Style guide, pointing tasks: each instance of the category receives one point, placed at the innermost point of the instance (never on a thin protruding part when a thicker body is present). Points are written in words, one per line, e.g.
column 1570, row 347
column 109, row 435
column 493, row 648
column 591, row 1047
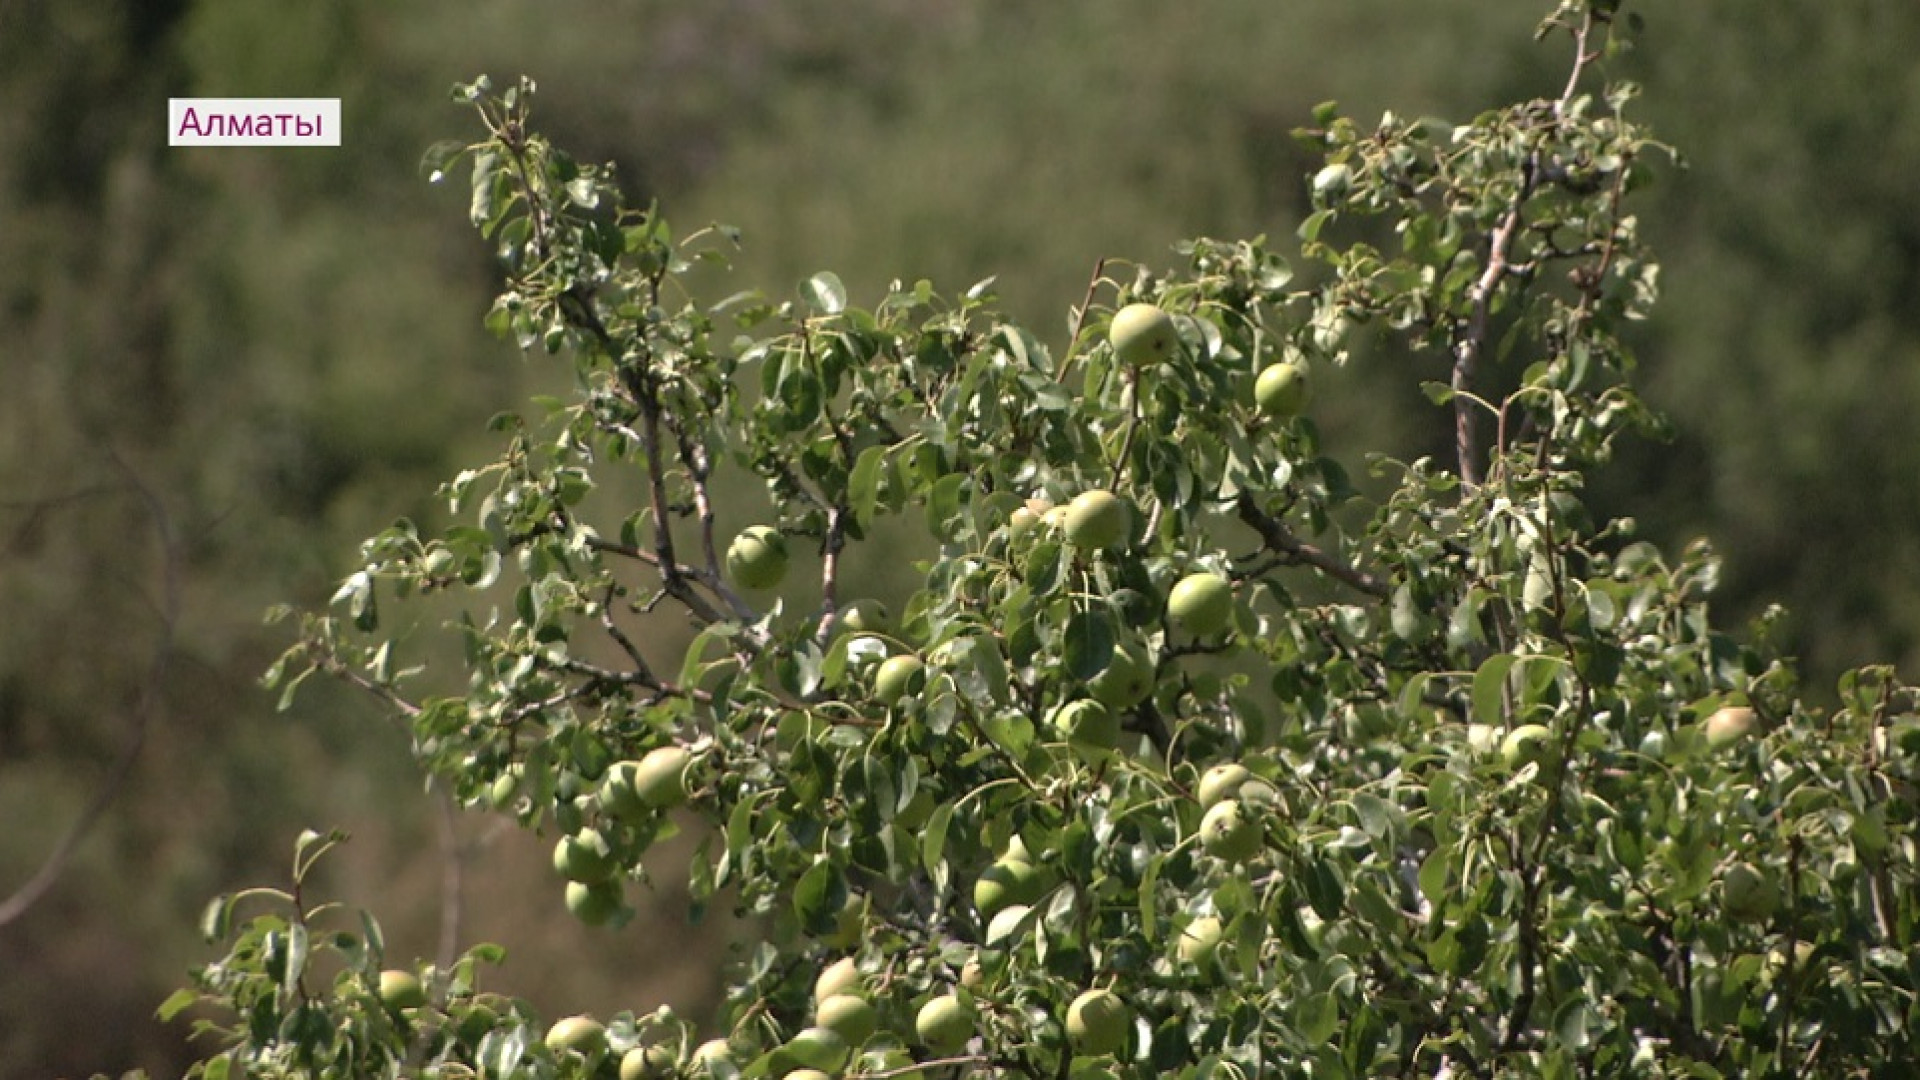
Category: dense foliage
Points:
column 1183, row 755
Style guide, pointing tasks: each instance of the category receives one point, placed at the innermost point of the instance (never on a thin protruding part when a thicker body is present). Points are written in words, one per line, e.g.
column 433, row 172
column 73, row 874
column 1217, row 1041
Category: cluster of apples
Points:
column 1097, row 1020
column 844, row 1020
column 630, row 791
column 1144, row 334
column 1747, row 893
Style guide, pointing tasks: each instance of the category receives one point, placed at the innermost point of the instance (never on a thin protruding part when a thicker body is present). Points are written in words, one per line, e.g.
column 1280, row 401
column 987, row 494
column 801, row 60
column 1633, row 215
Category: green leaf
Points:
column 1433, row 875
column 1044, row 569
column 992, row 667
column 944, row 503
column 825, row 293
column 1575, row 1024
column 175, row 1002
column 1489, row 689
column 1324, row 890
column 739, row 838
column 293, row 685
column 1309, row 230
column 933, row 841
column 863, row 488
column 1012, row 733
column 1148, row 897
column 370, row 931
column 296, row 957
column 819, row 895
column 1318, row 1017
column 1089, row 643
column 480, row 206
column 1377, row 815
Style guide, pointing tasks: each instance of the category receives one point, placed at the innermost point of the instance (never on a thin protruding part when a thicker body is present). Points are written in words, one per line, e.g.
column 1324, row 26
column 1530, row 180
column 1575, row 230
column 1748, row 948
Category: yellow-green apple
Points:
column 757, row 558
column 1142, row 334
column 1097, row 1023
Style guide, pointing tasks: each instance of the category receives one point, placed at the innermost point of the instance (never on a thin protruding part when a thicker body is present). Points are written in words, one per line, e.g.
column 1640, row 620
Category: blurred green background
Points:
column 220, row 368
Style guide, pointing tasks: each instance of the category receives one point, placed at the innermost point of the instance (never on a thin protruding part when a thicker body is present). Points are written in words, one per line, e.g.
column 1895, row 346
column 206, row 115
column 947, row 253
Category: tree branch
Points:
column 1296, row 551
column 1470, row 344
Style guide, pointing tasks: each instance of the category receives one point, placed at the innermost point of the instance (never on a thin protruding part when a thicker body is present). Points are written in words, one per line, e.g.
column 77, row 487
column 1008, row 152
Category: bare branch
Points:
column 1295, row 550
column 1080, row 321
column 1470, row 343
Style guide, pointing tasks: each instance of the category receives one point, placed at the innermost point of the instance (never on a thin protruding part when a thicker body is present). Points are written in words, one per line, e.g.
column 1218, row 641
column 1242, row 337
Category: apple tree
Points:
column 1206, row 744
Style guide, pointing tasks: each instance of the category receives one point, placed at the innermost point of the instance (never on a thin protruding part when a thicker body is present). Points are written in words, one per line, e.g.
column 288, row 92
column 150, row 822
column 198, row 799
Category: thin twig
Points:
column 1279, row 538
column 1472, row 343
column 1080, row 321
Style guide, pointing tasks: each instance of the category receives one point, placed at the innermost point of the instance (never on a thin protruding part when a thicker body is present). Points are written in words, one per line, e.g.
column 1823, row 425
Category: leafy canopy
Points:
column 1477, row 827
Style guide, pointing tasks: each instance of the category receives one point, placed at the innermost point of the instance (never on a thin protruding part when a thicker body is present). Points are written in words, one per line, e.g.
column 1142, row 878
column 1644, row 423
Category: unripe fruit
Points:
column 1200, row 941
column 709, row 1052
column 1096, row 519
column 899, row 676
column 1226, row 833
column 1282, row 390
column 661, row 778
column 1747, row 894
column 1526, row 744
column 1202, row 603
column 840, row 977
column 1142, row 334
column 647, row 1063
column 635, row 789
column 866, row 617
column 1221, row 782
column 1090, row 728
column 579, row 1034
column 757, row 558
column 848, row 1016
column 1126, row 680
column 818, row 1048
column 595, row 903
column 583, row 856
column 1729, row 725
column 1022, row 521
column 944, row 1025
column 402, row 990
column 1005, row 883
column 972, row 975
column 501, row 793
column 616, row 794
column 1097, row 1023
